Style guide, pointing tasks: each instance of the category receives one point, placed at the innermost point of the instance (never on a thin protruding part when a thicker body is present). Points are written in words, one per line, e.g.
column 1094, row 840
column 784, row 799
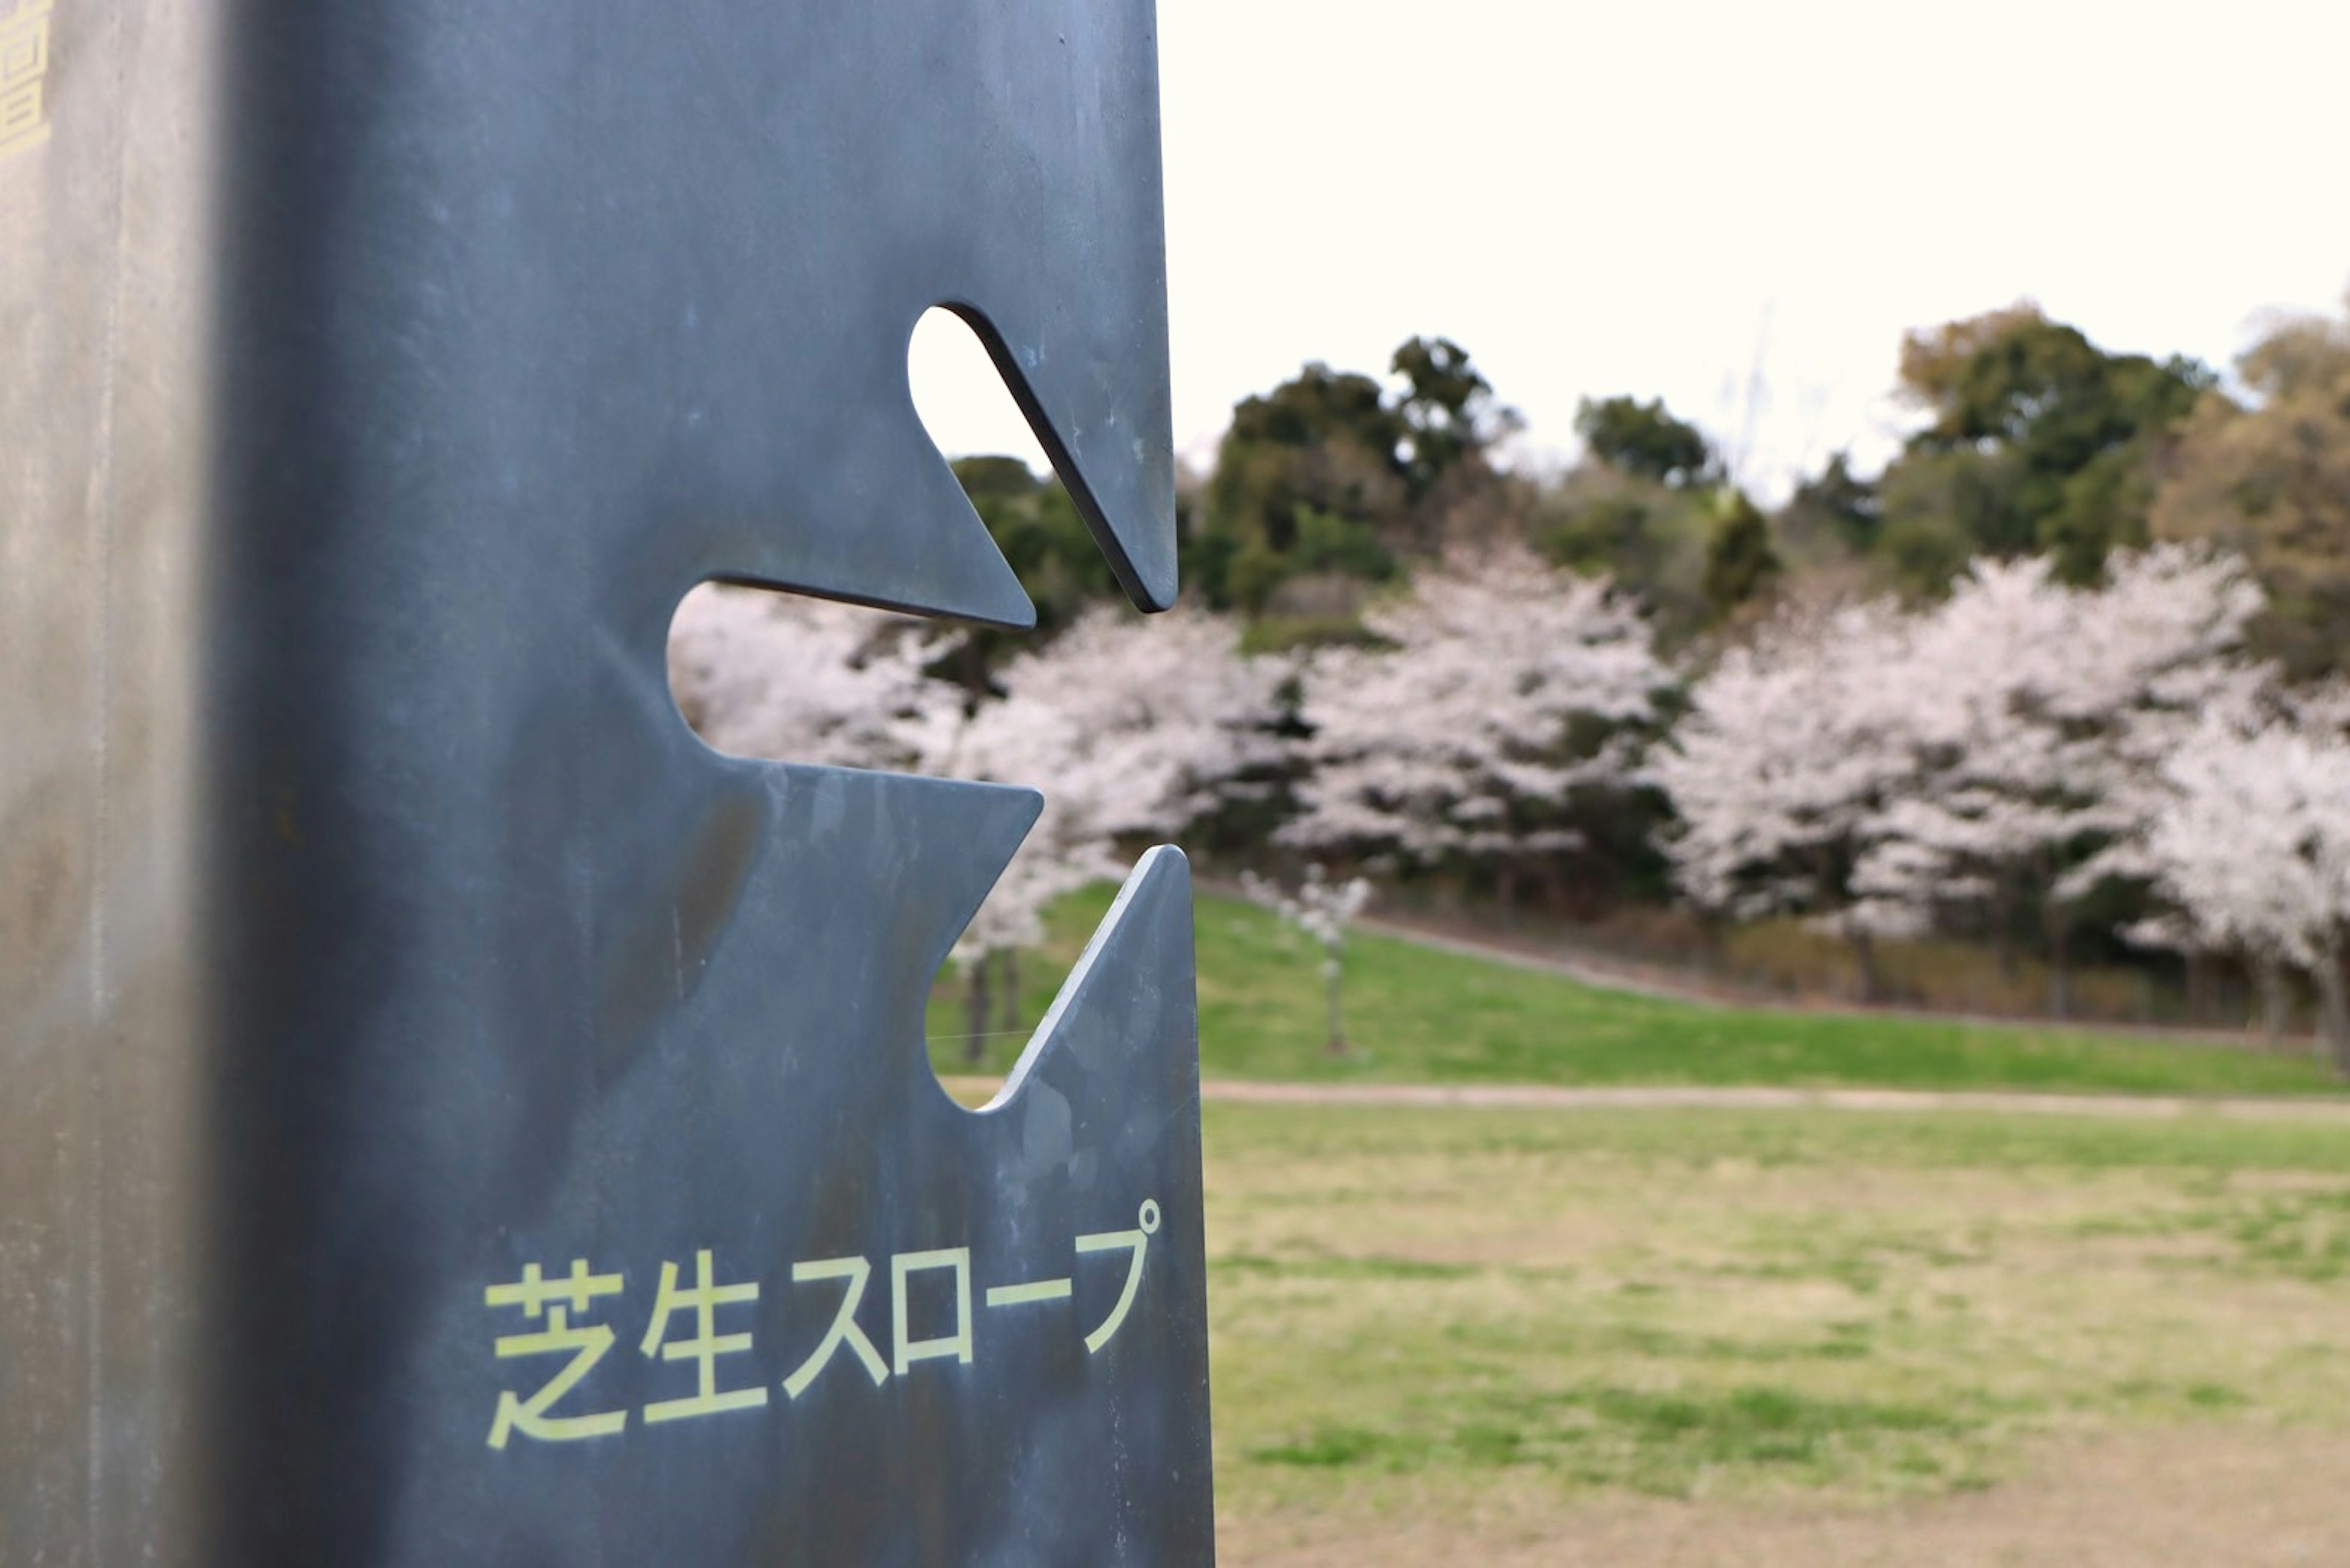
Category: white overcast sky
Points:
column 1656, row 199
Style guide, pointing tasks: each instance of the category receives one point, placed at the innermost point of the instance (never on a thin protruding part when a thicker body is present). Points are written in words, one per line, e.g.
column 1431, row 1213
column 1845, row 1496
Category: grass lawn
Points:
column 1495, row 1332
column 1418, row 1015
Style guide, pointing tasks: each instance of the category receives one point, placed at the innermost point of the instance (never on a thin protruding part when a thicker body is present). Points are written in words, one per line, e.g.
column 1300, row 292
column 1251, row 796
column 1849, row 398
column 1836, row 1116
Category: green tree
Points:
column 1324, row 442
column 1448, row 411
column 2274, row 480
column 1651, row 537
column 1834, row 506
column 2036, row 439
column 1646, row 439
column 1038, row 528
column 1944, row 506
column 1740, row 563
column 2100, row 507
column 1332, row 476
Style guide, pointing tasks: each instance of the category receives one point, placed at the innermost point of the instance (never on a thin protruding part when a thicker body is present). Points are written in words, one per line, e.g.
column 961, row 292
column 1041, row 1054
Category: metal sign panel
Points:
column 452, row 1115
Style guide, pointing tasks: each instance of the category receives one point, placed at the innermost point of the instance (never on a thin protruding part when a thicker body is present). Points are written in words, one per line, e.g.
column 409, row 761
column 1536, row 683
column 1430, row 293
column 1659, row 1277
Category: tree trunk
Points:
column 1557, row 899
column 1863, row 958
column 2334, row 1007
column 2060, row 968
column 1011, row 988
column 2276, row 1002
column 977, row 1014
column 1334, row 979
column 2009, row 905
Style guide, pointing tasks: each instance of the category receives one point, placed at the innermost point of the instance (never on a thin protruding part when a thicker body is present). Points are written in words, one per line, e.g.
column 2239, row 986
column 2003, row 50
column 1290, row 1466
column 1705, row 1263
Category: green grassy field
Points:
column 1418, row 1015
column 1417, row 1314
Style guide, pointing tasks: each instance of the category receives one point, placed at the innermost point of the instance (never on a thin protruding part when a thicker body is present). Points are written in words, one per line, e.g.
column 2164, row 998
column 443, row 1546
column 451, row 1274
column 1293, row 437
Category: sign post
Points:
column 447, row 1114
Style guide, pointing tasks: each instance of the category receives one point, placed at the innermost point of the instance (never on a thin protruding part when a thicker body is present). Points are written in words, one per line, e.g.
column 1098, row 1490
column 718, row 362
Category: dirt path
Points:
column 2192, row 1498
column 1554, row 1097
column 973, row 1090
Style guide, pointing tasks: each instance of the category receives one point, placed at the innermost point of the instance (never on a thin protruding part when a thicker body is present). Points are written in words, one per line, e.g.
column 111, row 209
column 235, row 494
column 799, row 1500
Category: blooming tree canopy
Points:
column 792, row 679
column 2037, row 717
column 1882, row 772
column 1129, row 728
column 2254, row 847
column 1791, row 750
column 1508, row 689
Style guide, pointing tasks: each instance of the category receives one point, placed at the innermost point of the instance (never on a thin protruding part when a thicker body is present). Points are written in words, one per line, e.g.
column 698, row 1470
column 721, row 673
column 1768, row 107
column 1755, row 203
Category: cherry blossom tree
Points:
column 1322, row 908
column 2253, row 846
column 1792, row 749
column 792, row 678
column 1508, row 693
column 1166, row 716
column 1129, row 729
column 2038, row 717
column 1884, row 773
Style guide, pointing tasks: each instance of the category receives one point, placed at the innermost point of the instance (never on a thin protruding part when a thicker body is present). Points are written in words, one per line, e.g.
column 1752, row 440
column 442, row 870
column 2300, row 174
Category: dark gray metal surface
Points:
column 377, row 947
